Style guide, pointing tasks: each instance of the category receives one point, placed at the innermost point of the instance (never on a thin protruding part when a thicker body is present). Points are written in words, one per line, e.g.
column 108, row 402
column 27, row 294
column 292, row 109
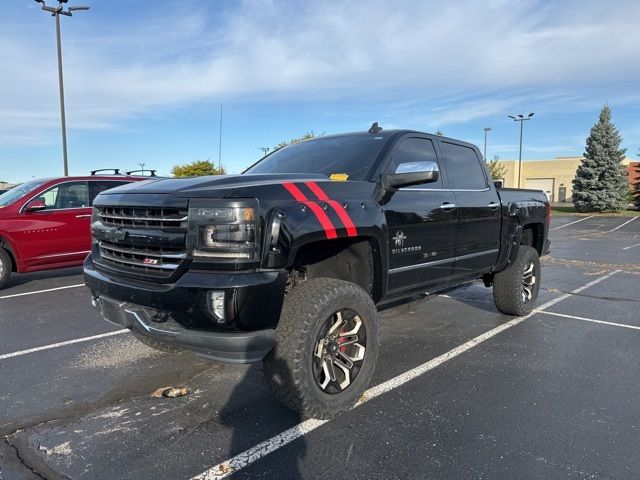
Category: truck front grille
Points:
column 142, row 217
column 143, row 242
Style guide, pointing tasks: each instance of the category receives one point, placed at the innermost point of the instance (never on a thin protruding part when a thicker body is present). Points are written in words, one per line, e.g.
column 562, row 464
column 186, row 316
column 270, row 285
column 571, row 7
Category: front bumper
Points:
column 253, row 300
column 231, row 347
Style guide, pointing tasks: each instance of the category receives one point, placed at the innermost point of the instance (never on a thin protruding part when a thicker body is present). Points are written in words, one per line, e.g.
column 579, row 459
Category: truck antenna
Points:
column 375, row 128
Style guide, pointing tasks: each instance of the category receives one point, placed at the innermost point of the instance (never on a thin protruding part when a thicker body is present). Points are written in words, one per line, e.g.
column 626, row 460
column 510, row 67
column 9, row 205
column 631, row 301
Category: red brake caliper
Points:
column 343, row 348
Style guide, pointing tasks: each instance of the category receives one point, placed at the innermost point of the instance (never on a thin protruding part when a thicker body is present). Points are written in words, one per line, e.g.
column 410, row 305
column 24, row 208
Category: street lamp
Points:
column 486, row 130
column 521, row 118
column 265, row 150
column 56, row 12
column 142, row 167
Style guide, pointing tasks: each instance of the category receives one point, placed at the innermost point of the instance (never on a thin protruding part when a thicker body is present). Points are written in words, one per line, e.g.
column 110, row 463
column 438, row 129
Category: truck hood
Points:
column 210, row 186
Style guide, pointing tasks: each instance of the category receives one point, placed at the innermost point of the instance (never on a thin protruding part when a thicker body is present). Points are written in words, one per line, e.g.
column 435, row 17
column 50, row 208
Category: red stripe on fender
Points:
column 323, row 218
column 339, row 209
column 317, row 210
column 295, row 192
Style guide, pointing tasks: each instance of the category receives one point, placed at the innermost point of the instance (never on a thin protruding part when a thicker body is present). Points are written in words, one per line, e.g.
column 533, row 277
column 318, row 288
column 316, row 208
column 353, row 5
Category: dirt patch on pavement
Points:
column 114, row 352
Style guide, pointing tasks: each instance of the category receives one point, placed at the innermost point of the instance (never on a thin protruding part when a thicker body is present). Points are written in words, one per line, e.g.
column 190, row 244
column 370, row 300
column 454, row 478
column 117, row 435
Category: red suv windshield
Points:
column 16, row 193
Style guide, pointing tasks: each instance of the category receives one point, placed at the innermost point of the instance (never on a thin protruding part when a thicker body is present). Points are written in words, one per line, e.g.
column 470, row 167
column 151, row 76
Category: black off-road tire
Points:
column 5, row 267
column 157, row 344
column 289, row 366
column 508, row 284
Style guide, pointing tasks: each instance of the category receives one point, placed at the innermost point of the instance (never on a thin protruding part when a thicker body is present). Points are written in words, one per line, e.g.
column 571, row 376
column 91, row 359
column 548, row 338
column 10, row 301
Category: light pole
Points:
column 265, row 150
column 56, row 12
column 521, row 118
column 486, row 130
column 142, row 167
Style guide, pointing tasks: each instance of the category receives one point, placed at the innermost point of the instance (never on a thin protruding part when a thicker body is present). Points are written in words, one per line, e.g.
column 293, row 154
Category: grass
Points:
column 570, row 210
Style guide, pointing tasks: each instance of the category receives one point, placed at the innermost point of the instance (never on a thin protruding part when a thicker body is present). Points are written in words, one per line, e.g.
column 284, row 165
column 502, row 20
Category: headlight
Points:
column 226, row 232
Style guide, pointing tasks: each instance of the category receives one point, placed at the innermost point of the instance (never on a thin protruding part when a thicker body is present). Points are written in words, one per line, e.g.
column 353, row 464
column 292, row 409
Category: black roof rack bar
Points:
column 152, row 173
column 116, row 171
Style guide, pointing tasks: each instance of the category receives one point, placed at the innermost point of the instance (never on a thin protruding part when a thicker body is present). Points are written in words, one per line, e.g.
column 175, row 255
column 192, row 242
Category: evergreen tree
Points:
column 601, row 184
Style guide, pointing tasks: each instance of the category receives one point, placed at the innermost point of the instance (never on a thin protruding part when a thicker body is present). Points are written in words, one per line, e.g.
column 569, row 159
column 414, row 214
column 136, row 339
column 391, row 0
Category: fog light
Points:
column 216, row 304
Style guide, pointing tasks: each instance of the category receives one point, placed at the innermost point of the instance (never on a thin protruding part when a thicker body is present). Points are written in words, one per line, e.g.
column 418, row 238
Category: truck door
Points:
column 477, row 238
column 421, row 222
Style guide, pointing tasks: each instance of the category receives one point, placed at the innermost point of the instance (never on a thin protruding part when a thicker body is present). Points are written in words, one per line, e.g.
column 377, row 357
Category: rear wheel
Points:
column 5, row 267
column 515, row 290
column 326, row 348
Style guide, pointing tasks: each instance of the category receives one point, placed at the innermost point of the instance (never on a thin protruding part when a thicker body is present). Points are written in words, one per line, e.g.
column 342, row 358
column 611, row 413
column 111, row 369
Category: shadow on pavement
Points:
column 18, row 279
column 254, row 416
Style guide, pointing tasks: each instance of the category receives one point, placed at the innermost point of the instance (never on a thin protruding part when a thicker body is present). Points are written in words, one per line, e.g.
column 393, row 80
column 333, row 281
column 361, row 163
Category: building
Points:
column 633, row 170
column 553, row 176
column 6, row 185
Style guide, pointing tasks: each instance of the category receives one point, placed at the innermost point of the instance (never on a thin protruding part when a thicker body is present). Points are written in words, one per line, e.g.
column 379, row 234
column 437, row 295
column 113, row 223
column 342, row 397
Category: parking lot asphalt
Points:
column 460, row 391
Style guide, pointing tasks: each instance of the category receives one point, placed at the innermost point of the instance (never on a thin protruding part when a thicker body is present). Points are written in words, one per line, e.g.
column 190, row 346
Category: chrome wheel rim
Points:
column 339, row 351
column 1, row 267
column 528, row 282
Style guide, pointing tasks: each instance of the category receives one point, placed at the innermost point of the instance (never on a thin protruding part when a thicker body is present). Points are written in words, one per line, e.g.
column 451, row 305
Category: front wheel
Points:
column 515, row 290
column 5, row 267
column 326, row 348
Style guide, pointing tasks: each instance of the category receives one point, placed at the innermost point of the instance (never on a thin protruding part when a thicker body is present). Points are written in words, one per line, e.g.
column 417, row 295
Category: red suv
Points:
column 45, row 223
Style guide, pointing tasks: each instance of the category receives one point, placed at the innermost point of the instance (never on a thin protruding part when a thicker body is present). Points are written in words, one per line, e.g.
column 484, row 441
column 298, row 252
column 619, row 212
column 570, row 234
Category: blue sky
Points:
column 145, row 80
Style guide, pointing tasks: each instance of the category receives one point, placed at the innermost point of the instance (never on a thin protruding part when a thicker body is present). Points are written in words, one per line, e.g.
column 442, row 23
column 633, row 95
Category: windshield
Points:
column 346, row 157
column 16, row 193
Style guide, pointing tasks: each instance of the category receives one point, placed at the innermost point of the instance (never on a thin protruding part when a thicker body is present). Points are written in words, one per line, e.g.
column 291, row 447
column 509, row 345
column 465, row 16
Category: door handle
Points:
column 493, row 205
column 447, row 207
column 87, row 215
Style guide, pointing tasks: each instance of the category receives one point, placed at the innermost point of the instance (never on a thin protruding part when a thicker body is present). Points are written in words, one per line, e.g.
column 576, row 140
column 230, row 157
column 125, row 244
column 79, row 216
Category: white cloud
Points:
column 504, row 52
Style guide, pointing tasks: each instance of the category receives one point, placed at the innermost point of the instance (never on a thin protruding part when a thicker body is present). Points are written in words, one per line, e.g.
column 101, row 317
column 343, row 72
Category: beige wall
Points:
column 561, row 169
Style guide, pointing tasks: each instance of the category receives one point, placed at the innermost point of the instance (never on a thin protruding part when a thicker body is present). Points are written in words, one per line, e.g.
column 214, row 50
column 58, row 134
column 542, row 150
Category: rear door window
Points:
column 99, row 186
column 464, row 171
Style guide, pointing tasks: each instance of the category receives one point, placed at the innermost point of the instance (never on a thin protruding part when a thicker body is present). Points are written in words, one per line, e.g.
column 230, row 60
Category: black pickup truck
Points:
column 286, row 262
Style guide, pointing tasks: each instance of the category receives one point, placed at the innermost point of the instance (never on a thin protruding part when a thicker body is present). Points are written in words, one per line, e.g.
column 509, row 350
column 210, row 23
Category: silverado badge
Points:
column 399, row 238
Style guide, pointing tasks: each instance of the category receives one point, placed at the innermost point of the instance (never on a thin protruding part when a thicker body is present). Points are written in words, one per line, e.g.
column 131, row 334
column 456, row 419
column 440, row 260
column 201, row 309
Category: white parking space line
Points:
column 631, row 246
column 584, row 319
column 42, row 291
column 620, row 226
column 571, row 223
column 246, row 458
column 61, row 344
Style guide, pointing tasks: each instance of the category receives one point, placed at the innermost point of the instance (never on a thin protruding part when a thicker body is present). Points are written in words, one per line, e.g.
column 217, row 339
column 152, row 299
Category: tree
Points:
column 497, row 170
column 307, row 136
column 601, row 184
column 197, row 169
column 439, row 133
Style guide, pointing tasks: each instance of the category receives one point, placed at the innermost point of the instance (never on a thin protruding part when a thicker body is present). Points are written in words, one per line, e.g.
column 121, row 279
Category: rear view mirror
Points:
column 35, row 205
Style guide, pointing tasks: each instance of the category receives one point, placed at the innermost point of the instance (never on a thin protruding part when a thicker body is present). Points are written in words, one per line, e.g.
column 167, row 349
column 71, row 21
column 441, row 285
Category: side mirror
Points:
column 35, row 206
column 411, row 173
column 406, row 175
column 497, row 183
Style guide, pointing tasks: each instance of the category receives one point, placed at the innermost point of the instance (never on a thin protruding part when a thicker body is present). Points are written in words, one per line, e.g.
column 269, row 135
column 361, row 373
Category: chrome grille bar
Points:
column 137, row 263
column 146, row 253
column 143, row 217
